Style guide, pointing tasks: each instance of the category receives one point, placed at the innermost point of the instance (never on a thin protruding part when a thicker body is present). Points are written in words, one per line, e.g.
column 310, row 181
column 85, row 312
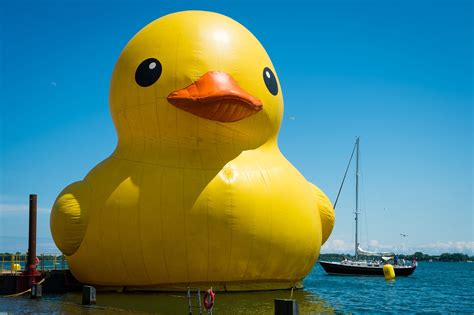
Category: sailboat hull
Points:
column 355, row 268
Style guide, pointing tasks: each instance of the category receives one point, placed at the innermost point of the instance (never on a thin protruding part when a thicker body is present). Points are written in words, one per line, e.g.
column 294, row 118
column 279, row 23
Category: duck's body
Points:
column 187, row 201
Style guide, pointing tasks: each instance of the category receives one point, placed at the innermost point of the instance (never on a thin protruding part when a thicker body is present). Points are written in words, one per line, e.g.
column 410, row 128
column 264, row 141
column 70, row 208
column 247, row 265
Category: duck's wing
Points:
column 68, row 219
column 326, row 212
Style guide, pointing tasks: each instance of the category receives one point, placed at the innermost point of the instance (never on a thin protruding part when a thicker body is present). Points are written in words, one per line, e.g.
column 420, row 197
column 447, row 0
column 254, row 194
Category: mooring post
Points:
column 286, row 307
column 88, row 295
column 30, row 271
column 32, row 233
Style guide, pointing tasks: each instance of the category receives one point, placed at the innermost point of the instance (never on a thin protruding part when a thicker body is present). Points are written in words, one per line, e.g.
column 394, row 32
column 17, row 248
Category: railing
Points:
column 12, row 263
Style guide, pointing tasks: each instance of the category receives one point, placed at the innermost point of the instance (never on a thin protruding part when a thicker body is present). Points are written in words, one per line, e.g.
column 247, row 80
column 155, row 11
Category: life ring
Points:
column 208, row 299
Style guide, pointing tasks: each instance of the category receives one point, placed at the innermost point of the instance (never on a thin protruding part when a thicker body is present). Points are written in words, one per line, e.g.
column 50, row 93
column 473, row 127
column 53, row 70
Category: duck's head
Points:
column 196, row 78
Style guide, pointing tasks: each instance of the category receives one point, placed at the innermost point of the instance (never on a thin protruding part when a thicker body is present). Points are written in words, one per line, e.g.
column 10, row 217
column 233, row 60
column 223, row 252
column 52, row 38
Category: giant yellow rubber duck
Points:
column 197, row 192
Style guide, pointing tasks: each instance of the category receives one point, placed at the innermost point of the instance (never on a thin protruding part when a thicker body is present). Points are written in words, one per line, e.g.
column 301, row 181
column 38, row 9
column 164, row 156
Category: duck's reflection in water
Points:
column 257, row 302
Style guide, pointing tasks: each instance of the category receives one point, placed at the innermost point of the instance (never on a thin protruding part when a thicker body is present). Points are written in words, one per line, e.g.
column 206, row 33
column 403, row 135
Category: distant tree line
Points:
column 446, row 257
column 23, row 256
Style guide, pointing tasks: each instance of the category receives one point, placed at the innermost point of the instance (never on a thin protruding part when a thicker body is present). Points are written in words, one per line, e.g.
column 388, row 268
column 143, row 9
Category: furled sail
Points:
column 362, row 252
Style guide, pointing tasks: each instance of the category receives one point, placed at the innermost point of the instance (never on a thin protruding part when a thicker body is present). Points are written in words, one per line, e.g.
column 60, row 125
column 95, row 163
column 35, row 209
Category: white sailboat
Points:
column 360, row 266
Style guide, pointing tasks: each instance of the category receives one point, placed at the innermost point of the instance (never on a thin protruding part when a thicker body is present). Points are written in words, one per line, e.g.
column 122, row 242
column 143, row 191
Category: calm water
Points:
column 433, row 288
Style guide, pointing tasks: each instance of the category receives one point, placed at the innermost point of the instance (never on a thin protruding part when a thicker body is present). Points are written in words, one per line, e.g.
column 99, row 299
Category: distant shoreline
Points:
column 445, row 257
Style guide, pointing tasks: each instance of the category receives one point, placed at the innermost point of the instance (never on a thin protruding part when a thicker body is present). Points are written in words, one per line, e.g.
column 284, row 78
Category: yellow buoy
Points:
column 16, row 267
column 388, row 272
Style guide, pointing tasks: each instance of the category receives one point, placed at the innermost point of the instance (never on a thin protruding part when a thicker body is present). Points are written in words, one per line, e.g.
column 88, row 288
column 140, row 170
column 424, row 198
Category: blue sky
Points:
column 396, row 73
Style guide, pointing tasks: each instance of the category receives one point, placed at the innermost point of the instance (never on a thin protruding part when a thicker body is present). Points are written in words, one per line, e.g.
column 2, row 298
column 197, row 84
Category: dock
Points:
column 20, row 272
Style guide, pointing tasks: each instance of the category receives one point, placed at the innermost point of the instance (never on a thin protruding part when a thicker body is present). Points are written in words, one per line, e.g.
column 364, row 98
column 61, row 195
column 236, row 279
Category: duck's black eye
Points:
column 148, row 72
column 270, row 81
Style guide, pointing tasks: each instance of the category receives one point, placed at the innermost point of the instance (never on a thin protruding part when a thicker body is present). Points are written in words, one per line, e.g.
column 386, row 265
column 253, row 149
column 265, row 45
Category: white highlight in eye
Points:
column 152, row 65
column 267, row 73
column 221, row 36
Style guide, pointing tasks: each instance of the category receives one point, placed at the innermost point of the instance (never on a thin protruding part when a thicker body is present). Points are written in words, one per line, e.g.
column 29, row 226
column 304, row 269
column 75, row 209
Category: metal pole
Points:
column 199, row 300
column 32, row 234
column 357, row 201
column 189, row 302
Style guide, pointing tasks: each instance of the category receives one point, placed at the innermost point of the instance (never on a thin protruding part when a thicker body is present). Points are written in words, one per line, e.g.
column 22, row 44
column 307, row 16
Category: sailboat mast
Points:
column 357, row 201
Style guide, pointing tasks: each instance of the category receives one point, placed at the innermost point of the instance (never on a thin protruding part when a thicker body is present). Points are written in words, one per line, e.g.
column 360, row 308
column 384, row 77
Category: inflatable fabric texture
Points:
column 197, row 192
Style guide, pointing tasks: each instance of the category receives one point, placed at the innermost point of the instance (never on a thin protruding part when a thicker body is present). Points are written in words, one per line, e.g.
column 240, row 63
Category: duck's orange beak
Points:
column 216, row 96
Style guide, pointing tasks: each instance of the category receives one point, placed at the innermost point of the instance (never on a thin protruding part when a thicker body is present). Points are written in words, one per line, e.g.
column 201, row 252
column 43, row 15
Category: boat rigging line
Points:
column 345, row 174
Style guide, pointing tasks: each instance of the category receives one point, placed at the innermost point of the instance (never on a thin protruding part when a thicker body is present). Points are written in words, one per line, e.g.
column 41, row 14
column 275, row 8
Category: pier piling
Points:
column 30, row 273
column 32, row 233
